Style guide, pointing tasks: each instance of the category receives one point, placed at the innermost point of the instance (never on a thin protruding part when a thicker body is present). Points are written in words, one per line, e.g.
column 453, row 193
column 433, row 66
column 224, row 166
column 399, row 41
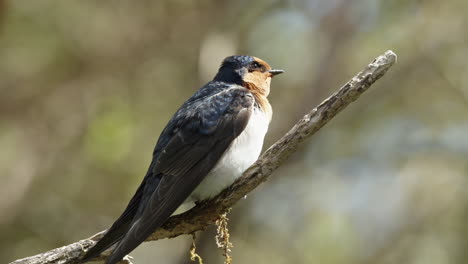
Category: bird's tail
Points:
column 108, row 240
column 117, row 230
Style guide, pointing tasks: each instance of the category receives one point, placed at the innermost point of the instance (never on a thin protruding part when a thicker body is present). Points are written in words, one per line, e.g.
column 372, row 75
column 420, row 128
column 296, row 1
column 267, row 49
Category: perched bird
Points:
column 209, row 142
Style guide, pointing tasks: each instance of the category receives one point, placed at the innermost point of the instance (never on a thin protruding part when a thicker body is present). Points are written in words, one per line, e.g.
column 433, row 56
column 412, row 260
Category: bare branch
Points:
column 206, row 213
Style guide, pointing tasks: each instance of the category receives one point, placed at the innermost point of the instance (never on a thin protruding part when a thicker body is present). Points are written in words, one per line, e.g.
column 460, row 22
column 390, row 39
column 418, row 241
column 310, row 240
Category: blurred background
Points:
column 87, row 86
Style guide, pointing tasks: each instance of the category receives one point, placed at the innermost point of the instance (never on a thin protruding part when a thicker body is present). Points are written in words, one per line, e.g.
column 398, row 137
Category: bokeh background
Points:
column 87, row 86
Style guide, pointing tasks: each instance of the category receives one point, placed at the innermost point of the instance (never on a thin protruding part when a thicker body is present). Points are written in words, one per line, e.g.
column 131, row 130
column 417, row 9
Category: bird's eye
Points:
column 255, row 66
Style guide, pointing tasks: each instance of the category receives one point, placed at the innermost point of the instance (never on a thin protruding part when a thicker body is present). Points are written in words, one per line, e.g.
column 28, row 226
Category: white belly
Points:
column 242, row 153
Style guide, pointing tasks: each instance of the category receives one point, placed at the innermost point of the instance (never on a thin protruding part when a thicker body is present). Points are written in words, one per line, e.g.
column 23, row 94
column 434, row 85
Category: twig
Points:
column 206, row 213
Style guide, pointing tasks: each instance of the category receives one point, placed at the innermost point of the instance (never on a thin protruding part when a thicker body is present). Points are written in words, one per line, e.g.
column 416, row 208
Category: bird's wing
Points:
column 151, row 181
column 203, row 132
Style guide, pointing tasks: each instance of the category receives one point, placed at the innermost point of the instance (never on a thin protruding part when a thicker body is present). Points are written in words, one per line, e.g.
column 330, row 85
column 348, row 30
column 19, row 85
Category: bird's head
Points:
column 251, row 72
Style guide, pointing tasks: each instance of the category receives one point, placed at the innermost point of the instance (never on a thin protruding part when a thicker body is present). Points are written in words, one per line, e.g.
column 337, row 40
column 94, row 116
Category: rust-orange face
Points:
column 251, row 72
column 260, row 66
column 258, row 76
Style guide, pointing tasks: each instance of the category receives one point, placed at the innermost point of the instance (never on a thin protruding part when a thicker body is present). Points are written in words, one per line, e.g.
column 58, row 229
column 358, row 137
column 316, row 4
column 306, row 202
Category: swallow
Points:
column 208, row 143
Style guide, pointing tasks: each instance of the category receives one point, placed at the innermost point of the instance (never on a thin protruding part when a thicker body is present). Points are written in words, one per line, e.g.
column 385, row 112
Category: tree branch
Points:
column 206, row 213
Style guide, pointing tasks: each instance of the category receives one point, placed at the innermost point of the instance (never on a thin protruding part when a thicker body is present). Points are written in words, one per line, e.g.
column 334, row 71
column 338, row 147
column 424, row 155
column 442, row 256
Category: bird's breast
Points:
column 242, row 153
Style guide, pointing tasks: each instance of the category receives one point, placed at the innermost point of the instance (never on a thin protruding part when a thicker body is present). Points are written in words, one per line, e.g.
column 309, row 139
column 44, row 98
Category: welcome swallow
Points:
column 209, row 142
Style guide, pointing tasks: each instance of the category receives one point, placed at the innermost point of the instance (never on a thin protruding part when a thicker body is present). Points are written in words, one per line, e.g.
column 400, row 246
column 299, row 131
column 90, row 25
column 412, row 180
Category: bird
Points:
column 209, row 142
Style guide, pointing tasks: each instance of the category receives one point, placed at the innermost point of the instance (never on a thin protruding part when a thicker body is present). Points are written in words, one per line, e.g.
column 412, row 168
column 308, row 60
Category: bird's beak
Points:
column 275, row 72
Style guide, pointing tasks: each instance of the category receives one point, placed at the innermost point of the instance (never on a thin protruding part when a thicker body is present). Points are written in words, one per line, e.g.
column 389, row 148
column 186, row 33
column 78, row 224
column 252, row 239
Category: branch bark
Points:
column 204, row 214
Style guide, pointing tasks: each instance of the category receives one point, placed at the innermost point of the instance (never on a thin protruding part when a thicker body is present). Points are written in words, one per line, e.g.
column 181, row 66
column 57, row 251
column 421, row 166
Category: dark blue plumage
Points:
column 189, row 147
